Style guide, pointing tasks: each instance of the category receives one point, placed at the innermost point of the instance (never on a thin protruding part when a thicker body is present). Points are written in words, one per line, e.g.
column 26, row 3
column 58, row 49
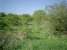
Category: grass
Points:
column 45, row 44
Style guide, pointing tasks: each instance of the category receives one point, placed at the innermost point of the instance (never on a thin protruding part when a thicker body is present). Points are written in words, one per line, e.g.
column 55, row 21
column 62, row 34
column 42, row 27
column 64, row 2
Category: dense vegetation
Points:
column 39, row 31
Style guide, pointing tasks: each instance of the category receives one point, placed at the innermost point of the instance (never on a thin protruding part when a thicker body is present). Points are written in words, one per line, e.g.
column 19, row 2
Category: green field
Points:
column 45, row 44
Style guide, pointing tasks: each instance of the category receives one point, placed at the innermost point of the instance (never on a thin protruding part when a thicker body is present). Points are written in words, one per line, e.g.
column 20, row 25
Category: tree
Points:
column 2, row 22
column 10, row 36
column 40, row 23
column 26, row 21
column 58, row 15
column 14, row 22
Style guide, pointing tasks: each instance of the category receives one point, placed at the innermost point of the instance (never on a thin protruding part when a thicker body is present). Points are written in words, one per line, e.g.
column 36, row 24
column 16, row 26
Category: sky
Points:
column 24, row 6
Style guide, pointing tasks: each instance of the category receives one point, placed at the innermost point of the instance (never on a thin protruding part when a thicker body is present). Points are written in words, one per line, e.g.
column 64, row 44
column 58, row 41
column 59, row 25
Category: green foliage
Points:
column 26, row 23
column 34, row 32
column 41, row 25
column 2, row 21
column 45, row 44
column 9, row 30
column 10, row 41
column 59, row 16
column 9, row 22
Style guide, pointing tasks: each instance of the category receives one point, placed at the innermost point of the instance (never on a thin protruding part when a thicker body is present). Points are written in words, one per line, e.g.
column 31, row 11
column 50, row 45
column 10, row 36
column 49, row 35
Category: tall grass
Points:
column 45, row 44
